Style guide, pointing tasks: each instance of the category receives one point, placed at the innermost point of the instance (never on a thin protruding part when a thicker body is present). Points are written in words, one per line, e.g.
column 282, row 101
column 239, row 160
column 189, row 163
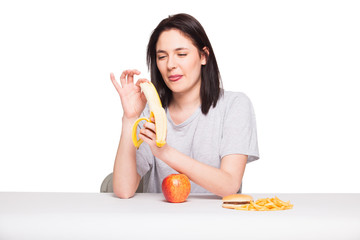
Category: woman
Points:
column 211, row 133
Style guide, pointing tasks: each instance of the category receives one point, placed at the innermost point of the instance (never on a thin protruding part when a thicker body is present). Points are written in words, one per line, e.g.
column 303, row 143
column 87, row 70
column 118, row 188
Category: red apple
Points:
column 176, row 188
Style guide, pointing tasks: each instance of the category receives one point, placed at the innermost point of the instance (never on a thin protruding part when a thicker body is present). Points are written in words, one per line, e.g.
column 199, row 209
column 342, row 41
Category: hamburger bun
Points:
column 234, row 200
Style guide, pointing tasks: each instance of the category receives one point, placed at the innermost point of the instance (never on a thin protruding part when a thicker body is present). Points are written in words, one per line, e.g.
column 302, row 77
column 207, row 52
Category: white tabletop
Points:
column 104, row 216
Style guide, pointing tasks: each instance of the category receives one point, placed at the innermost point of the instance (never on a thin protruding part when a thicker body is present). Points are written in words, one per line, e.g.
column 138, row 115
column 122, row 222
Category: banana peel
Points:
column 156, row 111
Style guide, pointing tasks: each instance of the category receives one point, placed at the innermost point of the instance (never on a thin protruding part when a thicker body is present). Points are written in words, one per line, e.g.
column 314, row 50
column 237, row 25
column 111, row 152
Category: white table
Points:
column 148, row 216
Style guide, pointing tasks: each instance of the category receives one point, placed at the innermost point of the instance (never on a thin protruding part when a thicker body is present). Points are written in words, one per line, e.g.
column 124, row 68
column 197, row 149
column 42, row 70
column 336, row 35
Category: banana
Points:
column 156, row 111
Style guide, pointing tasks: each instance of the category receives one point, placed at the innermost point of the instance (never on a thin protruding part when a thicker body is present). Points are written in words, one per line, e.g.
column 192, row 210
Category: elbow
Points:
column 231, row 189
column 123, row 189
column 123, row 194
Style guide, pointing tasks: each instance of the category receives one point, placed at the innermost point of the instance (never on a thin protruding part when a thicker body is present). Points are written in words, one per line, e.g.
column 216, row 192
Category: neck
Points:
column 186, row 101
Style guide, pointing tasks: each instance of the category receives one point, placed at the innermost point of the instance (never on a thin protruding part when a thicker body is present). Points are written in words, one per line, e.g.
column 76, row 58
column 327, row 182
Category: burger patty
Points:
column 236, row 203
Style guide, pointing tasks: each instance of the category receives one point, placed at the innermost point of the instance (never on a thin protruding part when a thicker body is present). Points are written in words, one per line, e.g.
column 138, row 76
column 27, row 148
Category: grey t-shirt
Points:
column 229, row 128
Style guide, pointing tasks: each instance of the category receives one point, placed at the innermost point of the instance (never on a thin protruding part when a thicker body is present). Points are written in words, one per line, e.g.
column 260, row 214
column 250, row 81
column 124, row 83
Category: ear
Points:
column 204, row 55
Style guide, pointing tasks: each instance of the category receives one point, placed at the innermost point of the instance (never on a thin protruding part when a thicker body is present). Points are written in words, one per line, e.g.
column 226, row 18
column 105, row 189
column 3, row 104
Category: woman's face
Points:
column 179, row 61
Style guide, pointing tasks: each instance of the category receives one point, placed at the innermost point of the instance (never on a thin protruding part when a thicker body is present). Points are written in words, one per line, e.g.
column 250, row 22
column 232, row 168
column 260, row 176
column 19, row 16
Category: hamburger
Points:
column 235, row 200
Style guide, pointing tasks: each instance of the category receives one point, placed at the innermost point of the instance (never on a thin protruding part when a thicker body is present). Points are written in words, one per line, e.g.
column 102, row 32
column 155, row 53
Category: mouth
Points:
column 175, row 78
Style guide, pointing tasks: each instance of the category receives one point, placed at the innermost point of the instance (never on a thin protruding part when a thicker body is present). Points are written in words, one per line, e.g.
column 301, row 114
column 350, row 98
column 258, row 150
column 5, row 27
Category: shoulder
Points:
column 233, row 99
column 229, row 95
column 231, row 103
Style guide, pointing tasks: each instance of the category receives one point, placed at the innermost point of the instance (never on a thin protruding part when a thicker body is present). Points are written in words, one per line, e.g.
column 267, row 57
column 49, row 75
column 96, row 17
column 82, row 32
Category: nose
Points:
column 171, row 64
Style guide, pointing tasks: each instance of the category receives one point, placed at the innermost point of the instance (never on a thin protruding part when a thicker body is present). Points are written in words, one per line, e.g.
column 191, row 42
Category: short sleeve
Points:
column 239, row 135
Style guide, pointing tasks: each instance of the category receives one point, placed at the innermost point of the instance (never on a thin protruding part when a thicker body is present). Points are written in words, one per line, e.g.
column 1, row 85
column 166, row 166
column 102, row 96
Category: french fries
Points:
column 266, row 204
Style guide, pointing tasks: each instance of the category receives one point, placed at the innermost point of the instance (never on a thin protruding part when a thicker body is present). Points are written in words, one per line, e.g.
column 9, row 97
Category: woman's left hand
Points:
column 148, row 135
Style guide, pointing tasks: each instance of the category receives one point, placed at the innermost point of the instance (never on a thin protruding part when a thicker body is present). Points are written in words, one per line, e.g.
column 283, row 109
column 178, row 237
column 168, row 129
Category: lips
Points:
column 175, row 78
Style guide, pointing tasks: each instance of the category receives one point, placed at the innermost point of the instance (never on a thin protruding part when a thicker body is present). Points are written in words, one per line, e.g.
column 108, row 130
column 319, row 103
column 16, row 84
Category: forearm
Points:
column 215, row 180
column 125, row 176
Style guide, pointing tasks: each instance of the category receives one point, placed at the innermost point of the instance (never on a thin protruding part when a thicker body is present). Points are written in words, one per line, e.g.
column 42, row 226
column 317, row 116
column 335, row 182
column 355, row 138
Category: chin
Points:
column 174, row 87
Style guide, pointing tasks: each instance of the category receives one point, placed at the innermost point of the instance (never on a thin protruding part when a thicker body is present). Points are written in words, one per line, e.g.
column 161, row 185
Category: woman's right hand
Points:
column 133, row 101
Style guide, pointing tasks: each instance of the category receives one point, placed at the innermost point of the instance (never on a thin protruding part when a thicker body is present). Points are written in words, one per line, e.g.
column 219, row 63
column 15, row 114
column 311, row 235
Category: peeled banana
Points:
column 156, row 111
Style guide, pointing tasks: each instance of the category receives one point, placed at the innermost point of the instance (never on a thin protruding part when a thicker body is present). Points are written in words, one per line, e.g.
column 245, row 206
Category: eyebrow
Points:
column 176, row 49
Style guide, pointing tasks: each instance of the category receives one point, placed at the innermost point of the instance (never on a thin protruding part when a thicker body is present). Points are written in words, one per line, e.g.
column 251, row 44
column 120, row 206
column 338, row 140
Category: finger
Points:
column 115, row 83
column 145, row 139
column 133, row 72
column 123, row 77
column 150, row 126
column 148, row 133
column 141, row 80
column 130, row 77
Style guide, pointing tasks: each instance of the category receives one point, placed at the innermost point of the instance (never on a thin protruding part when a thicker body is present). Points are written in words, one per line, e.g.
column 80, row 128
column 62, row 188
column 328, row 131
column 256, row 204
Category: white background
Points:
column 298, row 61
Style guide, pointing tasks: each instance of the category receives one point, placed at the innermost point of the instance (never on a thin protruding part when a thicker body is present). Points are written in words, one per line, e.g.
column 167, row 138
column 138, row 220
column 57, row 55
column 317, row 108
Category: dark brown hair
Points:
column 211, row 86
